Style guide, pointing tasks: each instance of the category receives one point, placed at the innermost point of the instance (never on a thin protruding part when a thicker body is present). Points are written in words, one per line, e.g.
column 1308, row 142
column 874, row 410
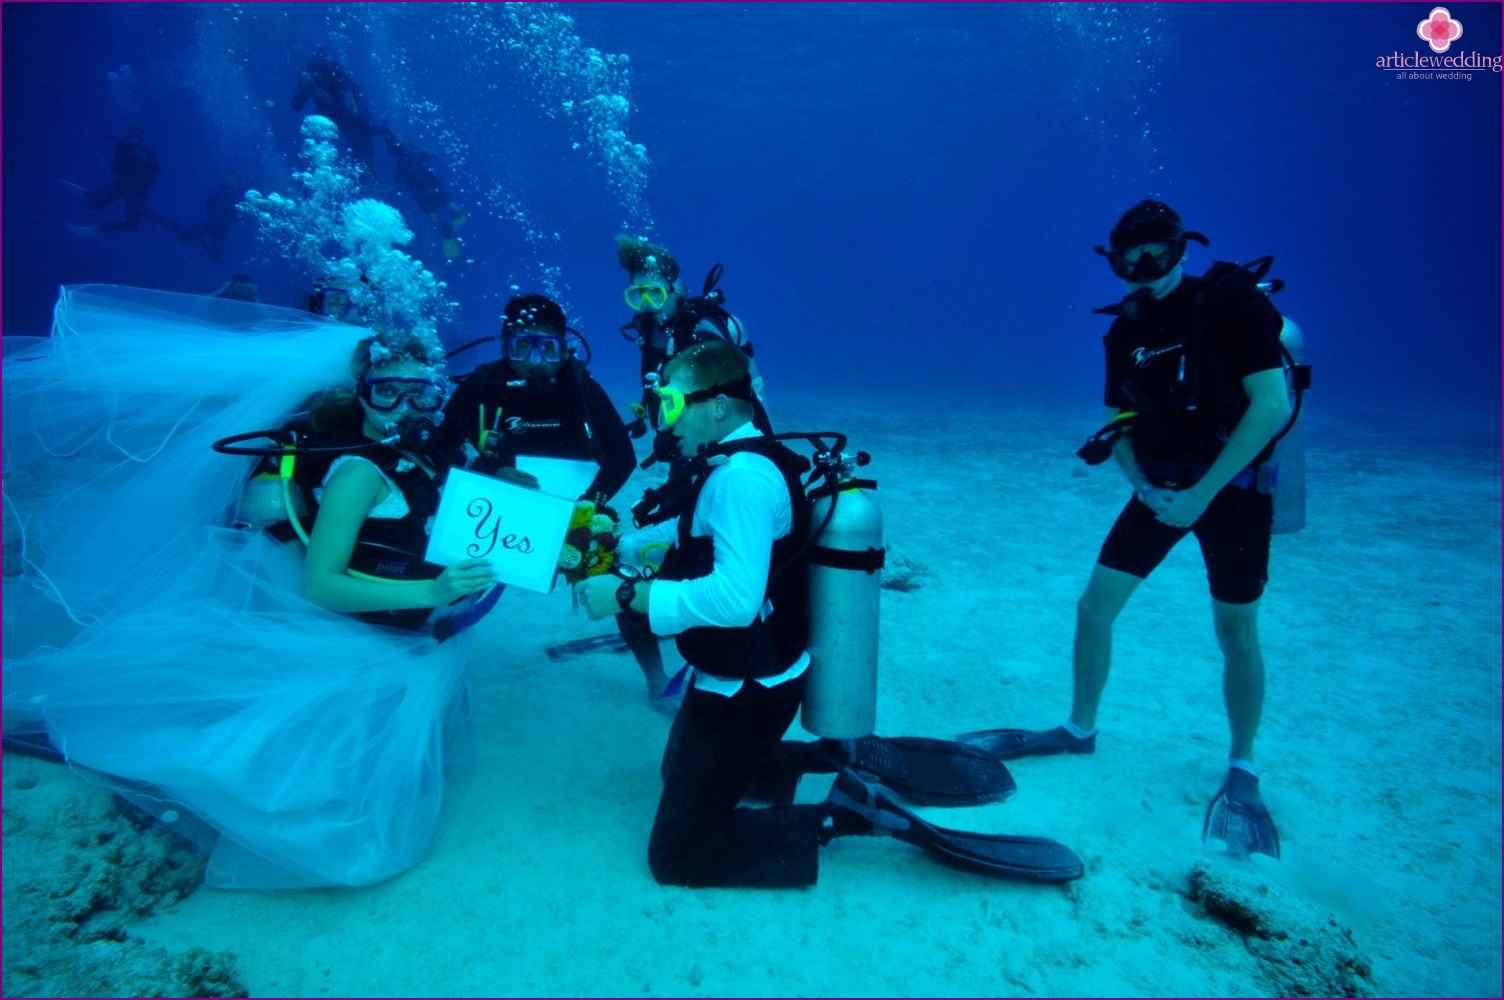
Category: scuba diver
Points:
column 222, row 305
column 339, row 299
column 220, row 213
column 1196, row 398
column 133, row 172
column 239, row 288
column 667, row 320
column 358, row 485
column 735, row 590
column 335, row 96
column 414, row 174
column 539, row 399
column 198, row 670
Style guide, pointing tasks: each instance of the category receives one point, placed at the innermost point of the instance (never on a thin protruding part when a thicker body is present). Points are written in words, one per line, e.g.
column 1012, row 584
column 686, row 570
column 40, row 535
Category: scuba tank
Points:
column 845, row 586
column 1290, row 450
column 844, row 556
column 268, row 499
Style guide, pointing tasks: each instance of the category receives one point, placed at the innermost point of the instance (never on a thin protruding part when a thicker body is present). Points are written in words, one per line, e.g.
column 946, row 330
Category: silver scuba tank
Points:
column 265, row 500
column 1290, row 451
column 845, row 587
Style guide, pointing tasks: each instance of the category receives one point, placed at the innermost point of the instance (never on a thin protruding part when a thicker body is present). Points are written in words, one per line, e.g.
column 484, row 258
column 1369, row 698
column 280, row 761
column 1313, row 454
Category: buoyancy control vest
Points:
column 1151, row 414
column 1280, row 469
column 661, row 341
column 770, row 645
column 386, row 548
column 828, row 569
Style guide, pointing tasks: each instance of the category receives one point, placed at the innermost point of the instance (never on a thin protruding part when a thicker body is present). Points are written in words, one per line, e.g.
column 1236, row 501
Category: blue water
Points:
column 905, row 196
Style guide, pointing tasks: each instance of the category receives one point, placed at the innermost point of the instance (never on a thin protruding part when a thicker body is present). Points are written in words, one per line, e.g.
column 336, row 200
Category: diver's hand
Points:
column 597, row 596
column 468, row 577
column 1156, row 498
column 1184, row 509
column 518, row 477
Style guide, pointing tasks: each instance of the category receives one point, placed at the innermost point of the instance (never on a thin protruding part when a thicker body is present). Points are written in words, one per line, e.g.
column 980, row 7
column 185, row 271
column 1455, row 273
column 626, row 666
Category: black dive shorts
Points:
column 1234, row 535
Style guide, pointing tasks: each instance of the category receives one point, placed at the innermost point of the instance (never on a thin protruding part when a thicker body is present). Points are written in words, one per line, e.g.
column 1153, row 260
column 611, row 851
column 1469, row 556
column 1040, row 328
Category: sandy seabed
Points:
column 1380, row 757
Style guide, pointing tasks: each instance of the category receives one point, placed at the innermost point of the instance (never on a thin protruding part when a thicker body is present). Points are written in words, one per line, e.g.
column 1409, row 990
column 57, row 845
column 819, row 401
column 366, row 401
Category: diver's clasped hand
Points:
column 1178, row 508
column 1156, row 498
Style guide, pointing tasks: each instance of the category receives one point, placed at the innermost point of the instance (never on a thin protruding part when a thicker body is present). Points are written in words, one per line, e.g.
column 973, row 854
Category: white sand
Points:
column 1380, row 755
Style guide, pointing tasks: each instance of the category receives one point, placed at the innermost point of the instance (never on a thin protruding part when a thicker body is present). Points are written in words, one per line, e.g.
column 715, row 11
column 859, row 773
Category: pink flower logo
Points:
column 1439, row 30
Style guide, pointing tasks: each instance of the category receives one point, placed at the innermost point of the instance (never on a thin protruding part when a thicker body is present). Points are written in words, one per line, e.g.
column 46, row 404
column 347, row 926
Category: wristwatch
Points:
column 624, row 595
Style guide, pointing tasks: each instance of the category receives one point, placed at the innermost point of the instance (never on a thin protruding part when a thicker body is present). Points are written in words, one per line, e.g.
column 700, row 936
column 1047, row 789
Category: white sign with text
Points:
column 563, row 477
column 520, row 530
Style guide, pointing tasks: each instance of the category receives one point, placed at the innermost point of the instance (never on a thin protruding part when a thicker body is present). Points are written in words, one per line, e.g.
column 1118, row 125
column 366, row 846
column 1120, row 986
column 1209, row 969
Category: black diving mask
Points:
column 386, row 392
column 1145, row 263
column 536, row 347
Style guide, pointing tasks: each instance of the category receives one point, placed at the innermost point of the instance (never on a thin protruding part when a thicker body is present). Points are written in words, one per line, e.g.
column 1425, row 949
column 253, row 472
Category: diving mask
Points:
column 673, row 402
column 534, row 346
column 649, row 296
column 1146, row 262
column 335, row 303
column 386, row 392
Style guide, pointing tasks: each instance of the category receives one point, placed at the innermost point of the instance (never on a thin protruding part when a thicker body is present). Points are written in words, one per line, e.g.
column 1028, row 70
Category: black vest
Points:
column 387, row 547
column 771, row 645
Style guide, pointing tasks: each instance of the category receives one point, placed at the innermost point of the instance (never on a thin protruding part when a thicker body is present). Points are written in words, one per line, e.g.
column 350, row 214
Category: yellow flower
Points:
column 584, row 511
column 598, row 561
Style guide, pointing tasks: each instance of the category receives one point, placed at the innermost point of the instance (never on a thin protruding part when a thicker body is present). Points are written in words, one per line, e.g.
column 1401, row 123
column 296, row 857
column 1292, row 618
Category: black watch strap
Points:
column 624, row 595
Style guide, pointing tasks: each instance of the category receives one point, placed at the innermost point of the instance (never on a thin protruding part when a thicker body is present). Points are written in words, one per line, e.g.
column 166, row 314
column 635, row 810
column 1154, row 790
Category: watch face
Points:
column 625, row 593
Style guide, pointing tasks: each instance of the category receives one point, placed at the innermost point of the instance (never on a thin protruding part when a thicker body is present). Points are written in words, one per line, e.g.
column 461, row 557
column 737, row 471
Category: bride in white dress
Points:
column 175, row 658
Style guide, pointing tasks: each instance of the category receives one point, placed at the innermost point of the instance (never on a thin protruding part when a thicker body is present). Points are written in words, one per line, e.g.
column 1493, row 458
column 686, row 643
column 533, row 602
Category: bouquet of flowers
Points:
column 590, row 545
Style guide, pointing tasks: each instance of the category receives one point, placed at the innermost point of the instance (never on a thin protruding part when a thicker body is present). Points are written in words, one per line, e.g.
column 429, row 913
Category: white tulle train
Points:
column 174, row 658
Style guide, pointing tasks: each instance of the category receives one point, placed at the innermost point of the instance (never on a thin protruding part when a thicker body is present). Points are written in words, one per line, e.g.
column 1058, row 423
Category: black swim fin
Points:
column 1034, row 859
column 923, row 771
column 1238, row 817
column 1011, row 744
column 612, row 642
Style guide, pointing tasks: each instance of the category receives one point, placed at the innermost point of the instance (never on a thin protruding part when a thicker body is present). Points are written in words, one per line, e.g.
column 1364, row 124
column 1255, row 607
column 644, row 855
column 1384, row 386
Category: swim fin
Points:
column 1238, row 817
column 923, row 771
column 1035, row 859
column 612, row 642
column 1011, row 744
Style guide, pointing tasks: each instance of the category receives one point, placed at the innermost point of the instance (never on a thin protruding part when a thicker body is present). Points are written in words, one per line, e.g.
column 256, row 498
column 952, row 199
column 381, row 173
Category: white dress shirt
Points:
column 744, row 507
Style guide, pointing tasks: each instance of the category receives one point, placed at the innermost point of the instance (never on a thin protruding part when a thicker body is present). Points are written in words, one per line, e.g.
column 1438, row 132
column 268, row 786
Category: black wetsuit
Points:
column 336, row 97
column 134, row 170
column 574, row 418
column 426, row 189
column 659, row 342
column 1152, row 369
column 220, row 214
